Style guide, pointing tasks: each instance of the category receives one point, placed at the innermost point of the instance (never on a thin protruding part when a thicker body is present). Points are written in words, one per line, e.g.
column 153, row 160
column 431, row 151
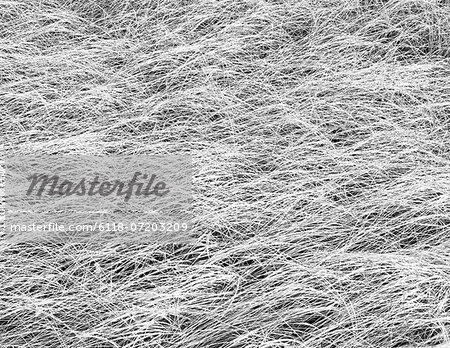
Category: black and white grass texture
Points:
column 319, row 133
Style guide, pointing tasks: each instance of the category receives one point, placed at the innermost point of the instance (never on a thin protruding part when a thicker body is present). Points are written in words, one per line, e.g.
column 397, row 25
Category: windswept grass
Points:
column 320, row 136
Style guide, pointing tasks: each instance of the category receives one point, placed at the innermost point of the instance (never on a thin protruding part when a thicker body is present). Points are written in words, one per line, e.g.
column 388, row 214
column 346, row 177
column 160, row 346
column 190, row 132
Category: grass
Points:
column 319, row 131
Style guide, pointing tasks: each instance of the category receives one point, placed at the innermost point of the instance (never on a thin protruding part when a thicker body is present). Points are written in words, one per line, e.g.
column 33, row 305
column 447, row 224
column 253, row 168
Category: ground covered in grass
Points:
column 320, row 137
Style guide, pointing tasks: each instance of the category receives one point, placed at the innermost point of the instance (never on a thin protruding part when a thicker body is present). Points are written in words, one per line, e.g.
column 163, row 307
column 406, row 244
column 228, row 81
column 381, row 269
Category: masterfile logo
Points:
column 64, row 187
column 111, row 192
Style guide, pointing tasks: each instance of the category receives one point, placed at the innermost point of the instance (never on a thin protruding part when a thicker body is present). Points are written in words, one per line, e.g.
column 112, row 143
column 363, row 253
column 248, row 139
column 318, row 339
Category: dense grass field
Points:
column 320, row 137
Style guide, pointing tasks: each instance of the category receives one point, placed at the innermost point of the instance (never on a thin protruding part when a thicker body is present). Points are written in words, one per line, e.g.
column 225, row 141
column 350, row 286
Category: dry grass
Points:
column 319, row 131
